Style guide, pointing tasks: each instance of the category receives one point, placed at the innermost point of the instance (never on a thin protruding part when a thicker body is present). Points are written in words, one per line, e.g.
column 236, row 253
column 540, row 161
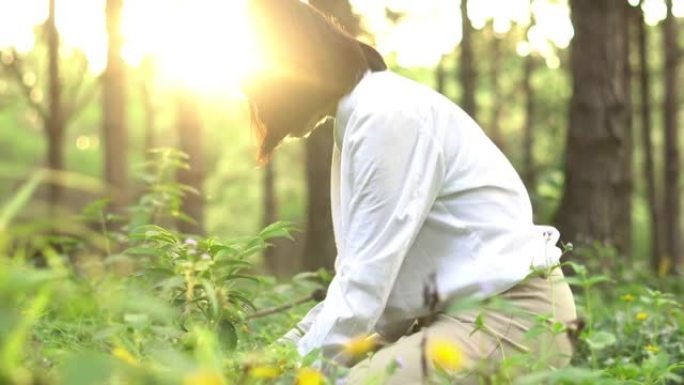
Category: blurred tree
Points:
column 529, row 166
column 497, row 106
column 274, row 262
column 54, row 121
column 319, row 250
column 671, row 212
column 596, row 202
column 189, row 126
column 57, row 111
column 467, row 71
column 440, row 76
column 148, row 104
column 646, row 136
column 114, row 130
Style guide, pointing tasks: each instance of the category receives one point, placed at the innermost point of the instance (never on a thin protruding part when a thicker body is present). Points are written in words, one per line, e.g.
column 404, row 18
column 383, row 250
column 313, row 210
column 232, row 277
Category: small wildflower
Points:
column 400, row 362
column 308, row 376
column 627, row 298
column 359, row 346
column 265, row 372
column 203, row 377
column 445, row 354
column 651, row 348
column 123, row 355
column 641, row 316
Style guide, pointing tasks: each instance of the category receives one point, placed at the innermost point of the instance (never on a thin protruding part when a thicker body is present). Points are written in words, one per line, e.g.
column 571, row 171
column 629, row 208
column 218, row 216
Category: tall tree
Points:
column 646, row 137
column 189, row 126
column 596, row 203
column 149, row 108
column 114, row 130
column 671, row 213
column 54, row 122
column 529, row 166
column 59, row 109
column 319, row 250
column 497, row 105
column 440, row 77
column 467, row 71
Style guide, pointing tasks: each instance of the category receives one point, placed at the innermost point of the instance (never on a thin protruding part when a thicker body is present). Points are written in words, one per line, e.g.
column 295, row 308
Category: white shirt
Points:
column 420, row 196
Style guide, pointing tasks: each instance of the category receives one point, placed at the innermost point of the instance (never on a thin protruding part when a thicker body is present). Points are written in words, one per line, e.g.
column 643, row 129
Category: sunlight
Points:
column 200, row 44
column 204, row 45
column 207, row 45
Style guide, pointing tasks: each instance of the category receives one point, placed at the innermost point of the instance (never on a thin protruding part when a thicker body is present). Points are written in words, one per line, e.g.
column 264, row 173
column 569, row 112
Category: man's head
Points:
column 310, row 64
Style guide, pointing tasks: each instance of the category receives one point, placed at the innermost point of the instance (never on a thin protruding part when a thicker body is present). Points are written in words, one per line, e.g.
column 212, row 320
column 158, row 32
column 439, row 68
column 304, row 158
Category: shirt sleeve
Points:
column 296, row 333
column 394, row 172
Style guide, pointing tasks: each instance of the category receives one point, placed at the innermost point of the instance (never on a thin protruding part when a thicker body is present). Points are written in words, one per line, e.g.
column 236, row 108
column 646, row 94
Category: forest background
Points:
column 582, row 96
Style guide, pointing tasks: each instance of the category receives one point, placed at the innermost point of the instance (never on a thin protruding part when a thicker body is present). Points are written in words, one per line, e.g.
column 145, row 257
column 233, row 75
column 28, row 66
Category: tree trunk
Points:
column 530, row 170
column 190, row 137
column 319, row 250
column 495, row 119
column 529, row 166
column 440, row 77
column 114, row 130
column 54, row 123
column 149, row 110
column 647, row 142
column 596, row 203
column 467, row 71
column 671, row 210
column 628, row 142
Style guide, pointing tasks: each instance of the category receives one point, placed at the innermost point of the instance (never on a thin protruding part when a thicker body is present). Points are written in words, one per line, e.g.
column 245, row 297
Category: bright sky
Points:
column 180, row 33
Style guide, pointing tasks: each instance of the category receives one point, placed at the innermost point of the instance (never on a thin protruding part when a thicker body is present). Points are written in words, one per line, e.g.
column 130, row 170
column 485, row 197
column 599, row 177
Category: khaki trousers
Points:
column 523, row 327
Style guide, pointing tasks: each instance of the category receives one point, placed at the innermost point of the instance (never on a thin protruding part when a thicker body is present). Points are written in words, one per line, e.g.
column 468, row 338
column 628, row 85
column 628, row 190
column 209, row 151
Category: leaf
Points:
column 143, row 251
column 20, row 199
column 227, row 334
column 211, row 295
column 277, row 229
column 601, row 340
column 238, row 298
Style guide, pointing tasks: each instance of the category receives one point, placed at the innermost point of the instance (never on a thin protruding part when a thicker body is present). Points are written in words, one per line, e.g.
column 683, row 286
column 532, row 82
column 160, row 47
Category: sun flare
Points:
column 205, row 45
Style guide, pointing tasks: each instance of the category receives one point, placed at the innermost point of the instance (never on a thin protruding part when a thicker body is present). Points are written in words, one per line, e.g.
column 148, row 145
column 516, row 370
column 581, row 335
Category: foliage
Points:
column 155, row 306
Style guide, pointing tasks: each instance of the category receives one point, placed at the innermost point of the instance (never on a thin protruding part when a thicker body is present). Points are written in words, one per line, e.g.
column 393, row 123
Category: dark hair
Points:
column 312, row 62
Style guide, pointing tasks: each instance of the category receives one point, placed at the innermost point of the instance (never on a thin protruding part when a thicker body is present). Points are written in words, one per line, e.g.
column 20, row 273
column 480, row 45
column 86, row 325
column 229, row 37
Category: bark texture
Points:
column 648, row 170
column 114, row 130
column 54, row 122
column 467, row 73
column 596, row 203
column 671, row 212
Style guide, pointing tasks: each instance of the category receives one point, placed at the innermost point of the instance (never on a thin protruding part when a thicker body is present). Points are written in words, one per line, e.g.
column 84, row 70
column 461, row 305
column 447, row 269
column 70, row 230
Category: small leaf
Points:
column 601, row 340
column 227, row 334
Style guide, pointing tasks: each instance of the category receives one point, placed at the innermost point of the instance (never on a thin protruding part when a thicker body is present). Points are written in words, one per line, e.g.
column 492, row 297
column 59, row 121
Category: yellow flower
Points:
column 641, row 316
column 627, row 298
column 359, row 346
column 445, row 354
column 308, row 376
column 265, row 372
column 652, row 348
column 123, row 355
column 203, row 377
